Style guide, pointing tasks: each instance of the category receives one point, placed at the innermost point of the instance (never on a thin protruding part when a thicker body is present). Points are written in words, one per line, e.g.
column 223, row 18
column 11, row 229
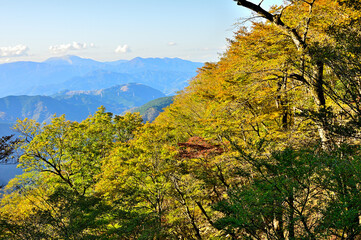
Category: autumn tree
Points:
column 263, row 144
column 276, row 88
column 289, row 203
column 310, row 26
column 61, row 160
column 134, row 181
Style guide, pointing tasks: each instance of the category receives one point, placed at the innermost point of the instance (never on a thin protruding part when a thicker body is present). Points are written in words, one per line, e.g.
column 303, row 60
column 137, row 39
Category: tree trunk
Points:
column 319, row 97
column 291, row 220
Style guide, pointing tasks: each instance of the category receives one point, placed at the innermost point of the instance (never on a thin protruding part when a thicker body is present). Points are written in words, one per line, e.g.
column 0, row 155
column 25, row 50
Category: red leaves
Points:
column 197, row 147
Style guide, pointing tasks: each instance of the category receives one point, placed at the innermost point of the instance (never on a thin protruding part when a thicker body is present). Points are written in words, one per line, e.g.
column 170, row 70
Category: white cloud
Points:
column 122, row 49
column 172, row 43
column 63, row 48
column 14, row 51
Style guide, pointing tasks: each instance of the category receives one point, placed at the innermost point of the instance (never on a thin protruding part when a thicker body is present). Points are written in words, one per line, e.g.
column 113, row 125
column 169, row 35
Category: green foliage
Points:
column 68, row 216
column 264, row 144
column 61, row 161
column 305, row 194
column 158, row 103
column 152, row 109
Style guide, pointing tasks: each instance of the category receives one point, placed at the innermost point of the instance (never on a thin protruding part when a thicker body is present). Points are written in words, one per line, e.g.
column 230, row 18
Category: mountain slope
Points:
column 116, row 99
column 40, row 108
column 152, row 109
column 76, row 105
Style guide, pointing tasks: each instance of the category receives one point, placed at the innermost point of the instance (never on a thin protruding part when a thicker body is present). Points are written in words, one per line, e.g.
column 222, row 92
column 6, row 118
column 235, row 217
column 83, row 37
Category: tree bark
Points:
column 319, row 96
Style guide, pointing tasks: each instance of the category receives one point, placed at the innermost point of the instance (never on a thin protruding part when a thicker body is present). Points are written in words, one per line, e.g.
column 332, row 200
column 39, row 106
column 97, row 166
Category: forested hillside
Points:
column 264, row 144
column 152, row 109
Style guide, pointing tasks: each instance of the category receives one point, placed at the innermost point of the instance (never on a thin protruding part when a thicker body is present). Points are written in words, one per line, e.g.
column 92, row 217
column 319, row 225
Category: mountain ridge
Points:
column 168, row 75
column 76, row 105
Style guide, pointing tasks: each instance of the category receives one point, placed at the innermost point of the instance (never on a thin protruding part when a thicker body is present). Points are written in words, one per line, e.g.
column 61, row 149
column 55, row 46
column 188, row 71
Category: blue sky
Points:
column 108, row 30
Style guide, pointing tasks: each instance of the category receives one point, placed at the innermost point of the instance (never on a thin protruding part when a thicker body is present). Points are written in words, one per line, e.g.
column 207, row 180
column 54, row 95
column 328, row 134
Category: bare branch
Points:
column 275, row 19
column 308, row 20
column 299, row 78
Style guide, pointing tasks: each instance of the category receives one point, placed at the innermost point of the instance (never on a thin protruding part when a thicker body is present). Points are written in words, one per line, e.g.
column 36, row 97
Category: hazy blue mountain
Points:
column 152, row 109
column 7, row 172
column 116, row 99
column 40, row 108
column 97, row 80
column 167, row 82
column 71, row 60
column 74, row 73
column 76, row 105
column 94, row 80
column 157, row 64
column 19, row 78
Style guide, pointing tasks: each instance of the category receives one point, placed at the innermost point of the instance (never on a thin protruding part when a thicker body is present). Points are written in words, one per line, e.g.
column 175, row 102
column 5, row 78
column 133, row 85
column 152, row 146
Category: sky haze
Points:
column 109, row 30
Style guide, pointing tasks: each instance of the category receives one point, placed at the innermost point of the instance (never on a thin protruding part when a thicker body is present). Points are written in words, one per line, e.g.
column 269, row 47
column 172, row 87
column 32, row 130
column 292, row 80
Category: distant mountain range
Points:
column 77, row 86
column 167, row 75
column 76, row 105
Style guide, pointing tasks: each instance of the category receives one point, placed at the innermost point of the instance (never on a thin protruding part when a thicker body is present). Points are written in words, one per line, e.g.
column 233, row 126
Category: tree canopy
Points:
column 263, row 144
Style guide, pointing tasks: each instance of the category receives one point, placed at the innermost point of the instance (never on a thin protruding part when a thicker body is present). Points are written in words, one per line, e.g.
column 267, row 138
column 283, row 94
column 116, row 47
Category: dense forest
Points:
column 263, row 144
